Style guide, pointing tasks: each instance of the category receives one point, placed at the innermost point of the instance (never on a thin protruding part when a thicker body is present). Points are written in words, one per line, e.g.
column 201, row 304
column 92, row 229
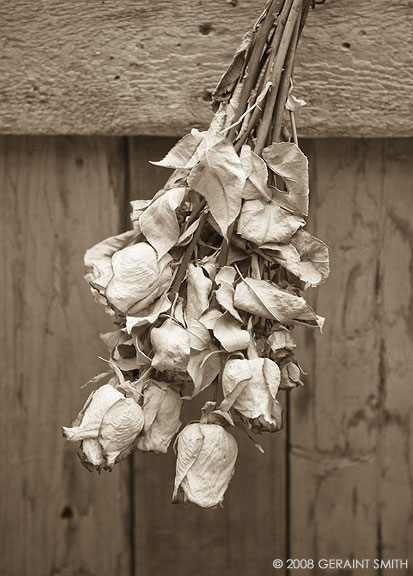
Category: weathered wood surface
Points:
column 250, row 531
column 351, row 491
column 59, row 195
column 147, row 67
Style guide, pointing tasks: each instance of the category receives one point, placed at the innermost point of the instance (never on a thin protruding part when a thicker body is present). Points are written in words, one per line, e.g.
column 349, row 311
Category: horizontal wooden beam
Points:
column 148, row 67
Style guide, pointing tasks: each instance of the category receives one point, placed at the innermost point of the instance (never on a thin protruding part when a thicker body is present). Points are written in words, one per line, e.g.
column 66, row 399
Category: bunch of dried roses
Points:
column 206, row 288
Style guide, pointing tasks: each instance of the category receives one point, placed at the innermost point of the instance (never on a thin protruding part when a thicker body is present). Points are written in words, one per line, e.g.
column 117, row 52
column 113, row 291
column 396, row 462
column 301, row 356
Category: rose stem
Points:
column 274, row 47
column 284, row 86
column 253, row 65
column 276, row 75
column 187, row 256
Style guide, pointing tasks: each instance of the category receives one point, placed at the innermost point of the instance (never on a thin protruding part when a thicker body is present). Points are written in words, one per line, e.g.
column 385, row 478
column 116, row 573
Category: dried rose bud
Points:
column 204, row 465
column 107, row 425
column 281, row 344
column 171, row 345
column 251, row 386
column 162, row 409
column 138, row 278
column 290, row 376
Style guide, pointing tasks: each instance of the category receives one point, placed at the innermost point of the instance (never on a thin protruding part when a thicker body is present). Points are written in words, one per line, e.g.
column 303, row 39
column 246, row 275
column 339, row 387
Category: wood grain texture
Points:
column 59, row 196
column 250, row 531
column 350, row 455
column 146, row 67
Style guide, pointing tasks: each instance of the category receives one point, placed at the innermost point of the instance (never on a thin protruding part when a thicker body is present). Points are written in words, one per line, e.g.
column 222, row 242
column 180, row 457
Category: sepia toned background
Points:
column 338, row 481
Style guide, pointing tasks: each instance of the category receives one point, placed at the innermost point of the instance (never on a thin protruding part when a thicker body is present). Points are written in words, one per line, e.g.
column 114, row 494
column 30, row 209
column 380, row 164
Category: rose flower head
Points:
column 162, row 410
column 107, row 426
column 250, row 387
column 206, row 455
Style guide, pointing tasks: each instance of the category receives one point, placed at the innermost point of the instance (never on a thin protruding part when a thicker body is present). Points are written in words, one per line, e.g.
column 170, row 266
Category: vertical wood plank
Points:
column 351, row 489
column 250, row 531
column 59, row 196
column 396, row 354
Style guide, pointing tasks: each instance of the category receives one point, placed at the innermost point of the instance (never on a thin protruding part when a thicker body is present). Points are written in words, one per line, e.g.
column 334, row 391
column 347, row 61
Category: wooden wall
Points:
column 345, row 487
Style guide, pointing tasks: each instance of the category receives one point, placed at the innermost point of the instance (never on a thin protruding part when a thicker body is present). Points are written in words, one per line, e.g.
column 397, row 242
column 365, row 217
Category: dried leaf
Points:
column 231, row 75
column 149, row 315
column 294, row 104
column 225, row 293
column 210, row 317
column 266, row 300
column 171, row 346
column 229, row 332
column 206, row 456
column 267, row 222
column 138, row 207
column 159, row 222
column 198, row 290
column 220, row 178
column 287, row 160
column 183, row 154
column 314, row 257
column 257, row 175
column 203, row 367
column 305, row 256
column 199, row 337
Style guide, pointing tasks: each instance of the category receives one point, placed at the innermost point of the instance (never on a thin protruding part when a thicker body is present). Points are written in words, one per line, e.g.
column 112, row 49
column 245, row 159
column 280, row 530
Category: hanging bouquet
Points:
column 206, row 288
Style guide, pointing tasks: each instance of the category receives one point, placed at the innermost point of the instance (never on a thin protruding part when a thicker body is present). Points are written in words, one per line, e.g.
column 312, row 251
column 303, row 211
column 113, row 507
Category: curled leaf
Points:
column 148, row 315
column 159, row 223
column 266, row 300
column 183, row 154
column 257, row 175
column 198, row 290
column 220, row 178
column 287, row 160
column 203, row 367
column 267, row 222
column 225, row 293
column 231, row 75
column 230, row 334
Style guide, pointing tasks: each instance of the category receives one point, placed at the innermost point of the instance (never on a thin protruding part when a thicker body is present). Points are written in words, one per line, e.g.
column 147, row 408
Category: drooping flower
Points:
column 127, row 276
column 162, row 409
column 171, row 346
column 138, row 278
column 206, row 456
column 251, row 386
column 107, row 426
